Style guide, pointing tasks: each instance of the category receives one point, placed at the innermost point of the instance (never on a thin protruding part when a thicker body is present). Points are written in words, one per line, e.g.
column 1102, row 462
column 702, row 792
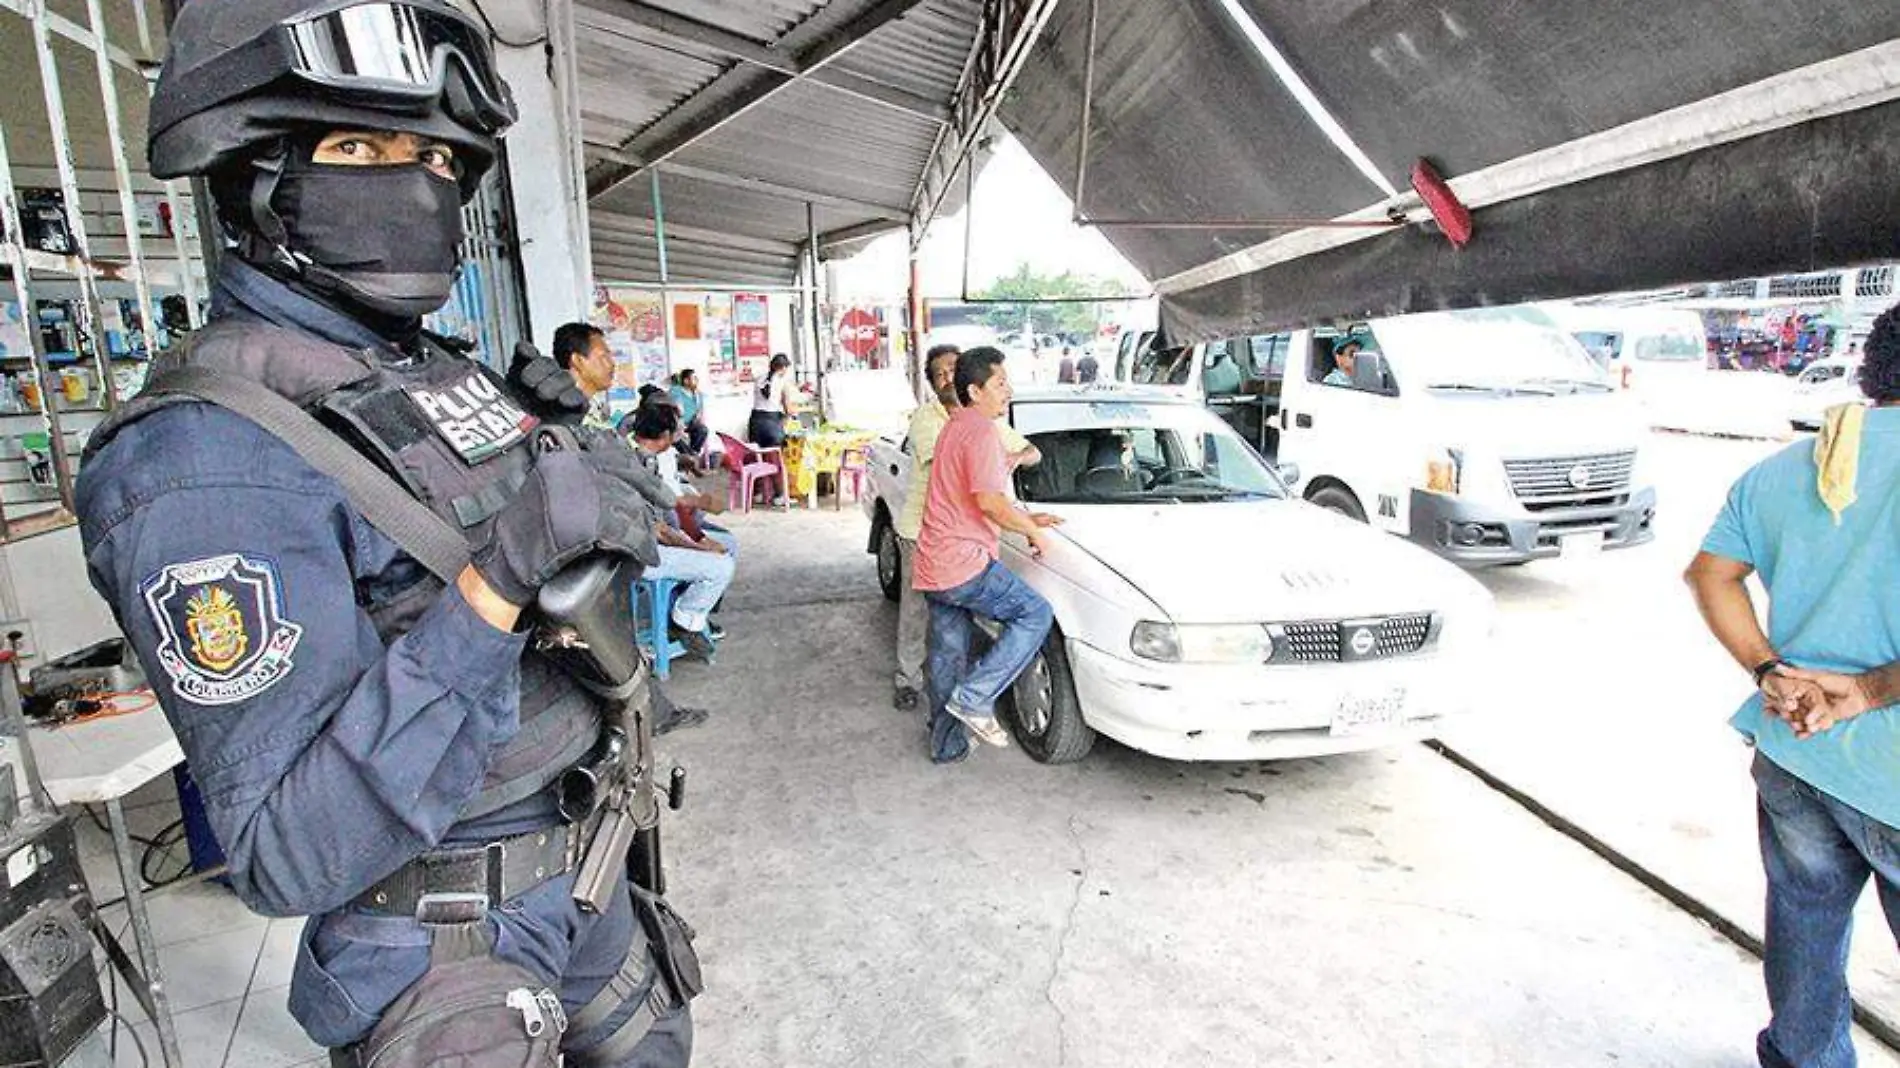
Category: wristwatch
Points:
column 1766, row 668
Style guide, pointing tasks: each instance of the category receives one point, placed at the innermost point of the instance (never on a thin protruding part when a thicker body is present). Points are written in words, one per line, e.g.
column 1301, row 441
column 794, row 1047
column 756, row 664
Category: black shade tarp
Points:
column 1189, row 123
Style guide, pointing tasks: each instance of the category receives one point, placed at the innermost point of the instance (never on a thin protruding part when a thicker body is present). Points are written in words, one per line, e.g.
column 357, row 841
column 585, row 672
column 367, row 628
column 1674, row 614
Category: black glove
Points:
column 545, row 386
column 570, row 506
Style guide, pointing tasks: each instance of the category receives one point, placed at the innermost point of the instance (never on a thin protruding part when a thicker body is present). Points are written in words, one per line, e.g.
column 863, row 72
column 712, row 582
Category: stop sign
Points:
column 858, row 333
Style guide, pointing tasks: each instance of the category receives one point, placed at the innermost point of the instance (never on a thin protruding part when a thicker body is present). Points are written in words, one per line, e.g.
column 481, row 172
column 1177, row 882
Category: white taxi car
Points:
column 1203, row 611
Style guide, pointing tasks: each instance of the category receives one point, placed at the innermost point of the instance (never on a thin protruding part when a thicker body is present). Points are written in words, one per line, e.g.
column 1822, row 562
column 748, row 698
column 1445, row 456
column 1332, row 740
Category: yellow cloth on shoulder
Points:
column 1837, row 457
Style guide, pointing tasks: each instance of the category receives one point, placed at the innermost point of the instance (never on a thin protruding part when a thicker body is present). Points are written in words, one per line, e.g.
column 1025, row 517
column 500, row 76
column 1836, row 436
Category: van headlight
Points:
column 1245, row 643
column 1445, row 471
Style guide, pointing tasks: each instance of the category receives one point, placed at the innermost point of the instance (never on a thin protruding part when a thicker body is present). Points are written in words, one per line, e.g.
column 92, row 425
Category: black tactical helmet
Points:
column 243, row 76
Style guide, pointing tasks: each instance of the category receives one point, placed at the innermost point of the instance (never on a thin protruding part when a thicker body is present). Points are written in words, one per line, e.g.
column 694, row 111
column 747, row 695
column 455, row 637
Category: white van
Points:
column 1656, row 351
column 1484, row 436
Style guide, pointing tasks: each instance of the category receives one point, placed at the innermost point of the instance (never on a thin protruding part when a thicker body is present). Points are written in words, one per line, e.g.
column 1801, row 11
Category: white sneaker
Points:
column 984, row 729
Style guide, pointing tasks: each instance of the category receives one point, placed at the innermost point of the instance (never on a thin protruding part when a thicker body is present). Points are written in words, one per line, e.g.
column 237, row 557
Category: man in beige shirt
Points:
column 928, row 421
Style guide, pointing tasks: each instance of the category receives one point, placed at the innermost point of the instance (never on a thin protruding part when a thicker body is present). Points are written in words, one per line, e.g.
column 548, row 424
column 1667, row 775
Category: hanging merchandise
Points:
column 36, row 450
column 43, row 221
column 14, row 339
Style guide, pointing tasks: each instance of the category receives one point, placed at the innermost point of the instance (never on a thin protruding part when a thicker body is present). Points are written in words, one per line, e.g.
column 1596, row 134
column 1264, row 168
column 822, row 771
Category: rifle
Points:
column 587, row 628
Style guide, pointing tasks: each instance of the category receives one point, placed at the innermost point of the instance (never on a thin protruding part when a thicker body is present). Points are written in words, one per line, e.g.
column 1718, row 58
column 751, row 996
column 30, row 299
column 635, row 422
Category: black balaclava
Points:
column 386, row 239
column 381, row 243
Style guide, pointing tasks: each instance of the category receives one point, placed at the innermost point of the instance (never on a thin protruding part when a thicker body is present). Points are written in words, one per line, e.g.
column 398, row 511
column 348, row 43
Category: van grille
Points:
column 1571, row 480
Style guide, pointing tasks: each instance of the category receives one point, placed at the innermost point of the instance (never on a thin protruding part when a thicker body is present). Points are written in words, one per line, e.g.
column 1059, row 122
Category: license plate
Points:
column 1581, row 545
column 1364, row 714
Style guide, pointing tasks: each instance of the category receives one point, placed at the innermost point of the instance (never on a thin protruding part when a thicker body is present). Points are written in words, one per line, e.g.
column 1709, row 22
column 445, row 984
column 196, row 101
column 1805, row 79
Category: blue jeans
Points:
column 995, row 594
column 1819, row 854
column 705, row 577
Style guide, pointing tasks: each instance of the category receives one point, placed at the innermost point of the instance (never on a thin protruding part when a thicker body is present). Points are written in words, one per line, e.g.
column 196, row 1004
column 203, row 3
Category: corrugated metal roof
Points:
column 860, row 159
column 764, row 21
column 813, row 138
column 630, row 76
column 922, row 53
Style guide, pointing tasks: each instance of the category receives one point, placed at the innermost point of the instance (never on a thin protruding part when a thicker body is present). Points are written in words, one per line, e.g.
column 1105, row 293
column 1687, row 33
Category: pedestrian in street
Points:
column 373, row 726
column 1819, row 523
column 959, row 569
column 926, row 423
column 1087, row 369
column 1065, row 368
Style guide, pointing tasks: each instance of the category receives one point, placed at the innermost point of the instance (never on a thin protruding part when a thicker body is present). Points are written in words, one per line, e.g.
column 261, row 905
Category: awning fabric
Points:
column 1190, row 123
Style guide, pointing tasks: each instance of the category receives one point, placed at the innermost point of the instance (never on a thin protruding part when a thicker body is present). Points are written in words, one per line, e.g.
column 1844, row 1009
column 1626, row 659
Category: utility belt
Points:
column 460, row 884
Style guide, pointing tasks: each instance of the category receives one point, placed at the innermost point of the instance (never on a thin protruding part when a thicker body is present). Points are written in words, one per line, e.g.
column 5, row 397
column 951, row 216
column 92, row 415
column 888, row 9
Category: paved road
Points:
column 1612, row 707
column 861, row 907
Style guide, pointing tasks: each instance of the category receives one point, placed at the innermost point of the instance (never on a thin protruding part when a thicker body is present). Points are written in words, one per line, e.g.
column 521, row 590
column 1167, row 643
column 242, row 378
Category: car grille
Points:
column 1553, row 481
column 1326, row 642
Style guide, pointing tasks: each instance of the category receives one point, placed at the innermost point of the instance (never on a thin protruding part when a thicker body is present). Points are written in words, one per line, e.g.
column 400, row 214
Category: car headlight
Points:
column 1444, row 471
column 1246, row 643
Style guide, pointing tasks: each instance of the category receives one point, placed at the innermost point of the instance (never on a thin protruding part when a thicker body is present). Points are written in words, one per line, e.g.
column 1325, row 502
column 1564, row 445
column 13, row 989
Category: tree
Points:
column 1034, row 299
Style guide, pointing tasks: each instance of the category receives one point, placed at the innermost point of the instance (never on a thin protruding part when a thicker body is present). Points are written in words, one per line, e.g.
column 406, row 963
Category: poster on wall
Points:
column 635, row 325
column 686, row 322
column 752, row 336
column 722, row 364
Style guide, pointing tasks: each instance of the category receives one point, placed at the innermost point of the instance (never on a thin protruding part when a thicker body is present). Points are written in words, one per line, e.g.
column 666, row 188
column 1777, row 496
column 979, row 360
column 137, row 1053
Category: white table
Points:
column 102, row 761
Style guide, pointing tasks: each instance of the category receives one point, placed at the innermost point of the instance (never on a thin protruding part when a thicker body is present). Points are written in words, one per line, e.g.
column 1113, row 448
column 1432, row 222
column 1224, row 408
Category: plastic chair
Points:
column 852, row 465
column 652, row 609
column 748, row 467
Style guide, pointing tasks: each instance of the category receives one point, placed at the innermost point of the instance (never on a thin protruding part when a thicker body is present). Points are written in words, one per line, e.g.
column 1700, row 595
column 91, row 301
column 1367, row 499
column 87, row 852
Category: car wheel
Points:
column 890, row 565
column 1042, row 711
column 1339, row 499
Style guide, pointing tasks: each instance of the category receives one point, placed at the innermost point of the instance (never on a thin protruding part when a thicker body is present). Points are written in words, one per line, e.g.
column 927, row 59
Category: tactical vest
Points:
column 450, row 431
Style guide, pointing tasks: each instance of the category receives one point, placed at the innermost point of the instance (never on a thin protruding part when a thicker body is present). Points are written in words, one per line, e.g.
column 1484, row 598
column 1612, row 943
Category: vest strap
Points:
column 382, row 502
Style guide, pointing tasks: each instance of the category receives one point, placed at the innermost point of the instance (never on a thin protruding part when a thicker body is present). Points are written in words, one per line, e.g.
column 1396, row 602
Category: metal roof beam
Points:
column 762, row 186
column 1003, row 40
column 620, row 17
column 617, row 222
column 742, row 88
column 846, row 234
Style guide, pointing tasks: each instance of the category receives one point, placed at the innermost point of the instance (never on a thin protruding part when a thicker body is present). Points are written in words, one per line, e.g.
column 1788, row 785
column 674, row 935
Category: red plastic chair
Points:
column 852, row 467
column 748, row 467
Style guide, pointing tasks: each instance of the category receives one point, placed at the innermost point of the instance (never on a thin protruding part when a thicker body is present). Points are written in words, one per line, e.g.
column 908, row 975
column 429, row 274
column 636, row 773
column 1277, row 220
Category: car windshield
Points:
column 1124, row 452
column 1487, row 352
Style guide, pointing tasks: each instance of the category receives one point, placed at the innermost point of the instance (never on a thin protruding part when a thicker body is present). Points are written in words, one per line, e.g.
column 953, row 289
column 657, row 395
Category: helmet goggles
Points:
column 401, row 54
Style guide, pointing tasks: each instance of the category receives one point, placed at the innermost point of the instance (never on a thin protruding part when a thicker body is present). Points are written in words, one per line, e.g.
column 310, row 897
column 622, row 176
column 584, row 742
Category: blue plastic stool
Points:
column 652, row 609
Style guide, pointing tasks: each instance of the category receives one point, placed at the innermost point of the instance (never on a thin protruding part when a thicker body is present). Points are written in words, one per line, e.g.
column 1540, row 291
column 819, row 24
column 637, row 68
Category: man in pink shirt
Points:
column 958, row 570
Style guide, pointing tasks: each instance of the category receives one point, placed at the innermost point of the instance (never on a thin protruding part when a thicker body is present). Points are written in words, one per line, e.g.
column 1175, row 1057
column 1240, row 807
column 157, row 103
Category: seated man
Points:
column 694, row 506
column 692, row 406
column 703, row 563
column 1345, row 350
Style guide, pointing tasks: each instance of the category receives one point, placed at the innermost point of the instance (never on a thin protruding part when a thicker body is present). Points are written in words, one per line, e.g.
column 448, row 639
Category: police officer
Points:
column 375, row 746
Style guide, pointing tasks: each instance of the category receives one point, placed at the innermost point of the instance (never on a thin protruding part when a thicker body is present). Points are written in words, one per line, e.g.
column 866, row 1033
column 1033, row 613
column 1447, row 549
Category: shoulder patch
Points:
column 222, row 635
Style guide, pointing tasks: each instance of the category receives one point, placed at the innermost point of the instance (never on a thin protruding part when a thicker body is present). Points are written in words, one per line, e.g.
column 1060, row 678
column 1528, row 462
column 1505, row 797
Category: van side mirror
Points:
column 1289, row 474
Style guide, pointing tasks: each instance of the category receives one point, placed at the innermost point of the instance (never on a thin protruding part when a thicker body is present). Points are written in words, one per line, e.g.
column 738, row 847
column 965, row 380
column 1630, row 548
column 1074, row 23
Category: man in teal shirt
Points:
column 692, row 405
column 1820, row 524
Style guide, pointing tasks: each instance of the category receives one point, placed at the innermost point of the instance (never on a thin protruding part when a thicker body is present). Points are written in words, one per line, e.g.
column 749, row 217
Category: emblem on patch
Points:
column 222, row 635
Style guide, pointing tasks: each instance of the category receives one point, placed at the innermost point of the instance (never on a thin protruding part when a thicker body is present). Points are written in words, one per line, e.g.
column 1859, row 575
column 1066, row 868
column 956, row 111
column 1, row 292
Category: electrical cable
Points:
column 505, row 42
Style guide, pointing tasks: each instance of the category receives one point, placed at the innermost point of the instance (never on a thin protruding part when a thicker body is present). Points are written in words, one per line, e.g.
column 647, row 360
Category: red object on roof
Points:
column 1452, row 215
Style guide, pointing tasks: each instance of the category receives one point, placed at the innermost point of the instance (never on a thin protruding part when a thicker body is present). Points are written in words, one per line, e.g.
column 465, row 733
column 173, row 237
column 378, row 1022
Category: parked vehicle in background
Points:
column 1203, row 611
column 1488, row 437
column 1655, row 351
column 1835, row 380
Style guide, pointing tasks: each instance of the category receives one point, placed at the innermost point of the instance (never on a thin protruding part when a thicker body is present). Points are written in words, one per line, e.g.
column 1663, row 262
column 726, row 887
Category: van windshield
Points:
column 1452, row 352
column 1674, row 348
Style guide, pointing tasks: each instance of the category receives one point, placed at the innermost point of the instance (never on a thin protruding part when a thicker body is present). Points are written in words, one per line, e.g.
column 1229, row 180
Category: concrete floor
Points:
column 859, row 906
